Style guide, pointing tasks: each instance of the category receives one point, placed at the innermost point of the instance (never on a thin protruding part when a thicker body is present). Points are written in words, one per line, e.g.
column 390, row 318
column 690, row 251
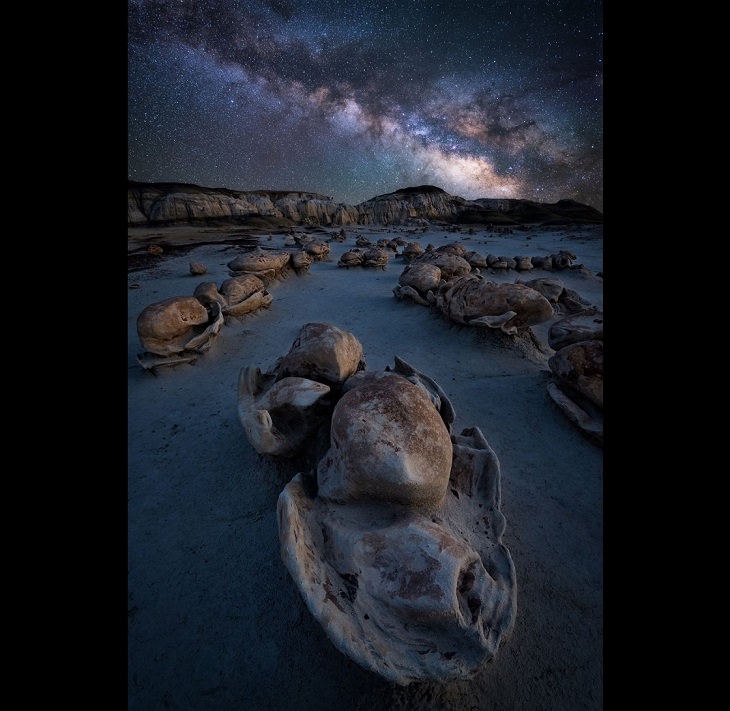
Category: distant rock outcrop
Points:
column 173, row 203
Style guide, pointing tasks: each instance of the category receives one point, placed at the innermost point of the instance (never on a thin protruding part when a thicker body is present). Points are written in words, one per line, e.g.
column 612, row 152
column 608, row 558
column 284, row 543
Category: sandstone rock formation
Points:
column 267, row 264
column 176, row 330
column 416, row 281
column 324, row 353
column 554, row 290
column 197, row 268
column 244, row 294
column 451, row 265
column 170, row 203
column 351, row 258
column 475, row 301
column 388, row 443
column 577, row 370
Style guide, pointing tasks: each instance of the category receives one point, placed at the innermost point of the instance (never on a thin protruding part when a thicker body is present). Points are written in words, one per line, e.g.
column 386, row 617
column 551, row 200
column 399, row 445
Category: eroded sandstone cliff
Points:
column 173, row 203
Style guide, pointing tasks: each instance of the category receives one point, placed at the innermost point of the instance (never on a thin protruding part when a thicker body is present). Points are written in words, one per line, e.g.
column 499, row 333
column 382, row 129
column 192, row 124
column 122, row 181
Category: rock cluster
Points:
column 393, row 535
column 450, row 279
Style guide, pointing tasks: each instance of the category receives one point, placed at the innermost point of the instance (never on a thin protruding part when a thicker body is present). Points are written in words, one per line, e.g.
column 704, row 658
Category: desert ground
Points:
column 215, row 622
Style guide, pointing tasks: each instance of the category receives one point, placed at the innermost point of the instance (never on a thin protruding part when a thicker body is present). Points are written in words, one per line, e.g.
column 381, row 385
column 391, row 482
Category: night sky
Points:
column 357, row 98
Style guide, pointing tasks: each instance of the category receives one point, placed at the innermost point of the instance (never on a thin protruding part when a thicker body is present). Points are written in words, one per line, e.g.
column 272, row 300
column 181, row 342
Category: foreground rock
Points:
column 394, row 535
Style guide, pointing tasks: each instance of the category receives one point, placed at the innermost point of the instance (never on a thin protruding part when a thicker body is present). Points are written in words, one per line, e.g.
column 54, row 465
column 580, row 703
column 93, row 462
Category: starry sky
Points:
column 357, row 98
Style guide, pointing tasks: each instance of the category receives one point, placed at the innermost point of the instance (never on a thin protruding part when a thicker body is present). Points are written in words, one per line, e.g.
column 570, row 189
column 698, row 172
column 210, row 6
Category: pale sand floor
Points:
column 215, row 622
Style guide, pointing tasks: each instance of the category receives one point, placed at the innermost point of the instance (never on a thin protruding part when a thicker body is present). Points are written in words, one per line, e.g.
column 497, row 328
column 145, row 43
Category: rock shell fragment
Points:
column 279, row 419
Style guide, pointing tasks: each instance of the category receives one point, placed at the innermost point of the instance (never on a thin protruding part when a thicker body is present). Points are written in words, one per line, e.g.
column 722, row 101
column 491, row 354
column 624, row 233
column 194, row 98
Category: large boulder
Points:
column 475, row 301
column 387, row 442
column 324, row 353
column 264, row 263
column 174, row 325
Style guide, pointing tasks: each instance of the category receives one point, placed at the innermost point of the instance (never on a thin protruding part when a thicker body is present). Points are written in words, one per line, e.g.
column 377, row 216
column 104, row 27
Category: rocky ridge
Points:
column 159, row 204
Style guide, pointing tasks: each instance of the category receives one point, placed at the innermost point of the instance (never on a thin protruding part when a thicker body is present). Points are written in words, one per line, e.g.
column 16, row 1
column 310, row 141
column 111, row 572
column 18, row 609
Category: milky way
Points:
column 357, row 98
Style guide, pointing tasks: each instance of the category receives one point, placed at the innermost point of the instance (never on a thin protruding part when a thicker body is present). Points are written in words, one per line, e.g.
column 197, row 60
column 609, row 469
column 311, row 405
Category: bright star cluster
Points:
column 357, row 98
